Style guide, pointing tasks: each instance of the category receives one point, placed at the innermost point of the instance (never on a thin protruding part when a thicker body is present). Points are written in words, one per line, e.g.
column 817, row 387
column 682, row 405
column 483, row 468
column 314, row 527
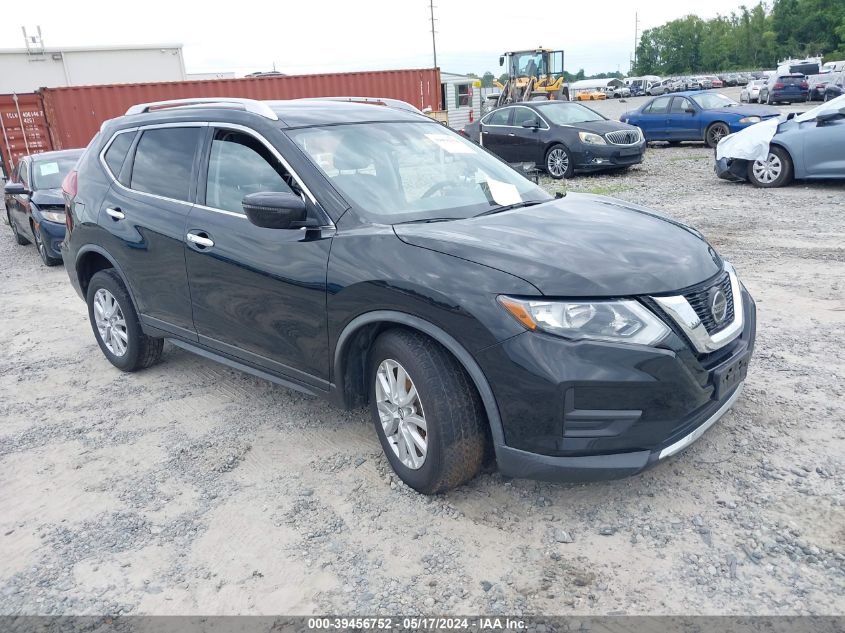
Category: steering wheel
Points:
column 438, row 186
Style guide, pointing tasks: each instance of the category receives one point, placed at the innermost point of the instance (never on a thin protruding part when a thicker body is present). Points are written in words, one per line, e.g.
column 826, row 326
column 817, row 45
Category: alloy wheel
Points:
column 557, row 162
column 769, row 170
column 717, row 133
column 39, row 243
column 401, row 414
column 111, row 324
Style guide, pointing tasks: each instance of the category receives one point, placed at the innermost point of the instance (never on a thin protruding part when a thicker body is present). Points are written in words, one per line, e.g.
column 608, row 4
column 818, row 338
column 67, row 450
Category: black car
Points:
column 368, row 255
column 561, row 137
column 35, row 208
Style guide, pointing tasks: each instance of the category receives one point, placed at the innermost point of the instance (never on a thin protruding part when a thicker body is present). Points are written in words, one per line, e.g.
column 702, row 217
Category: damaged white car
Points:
column 772, row 153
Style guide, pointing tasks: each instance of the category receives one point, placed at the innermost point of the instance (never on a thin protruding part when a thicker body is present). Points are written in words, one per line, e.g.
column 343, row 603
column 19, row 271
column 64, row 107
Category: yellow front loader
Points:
column 532, row 74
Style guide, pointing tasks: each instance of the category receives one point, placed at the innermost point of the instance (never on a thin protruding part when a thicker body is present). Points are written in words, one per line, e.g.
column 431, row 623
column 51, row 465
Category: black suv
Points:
column 364, row 253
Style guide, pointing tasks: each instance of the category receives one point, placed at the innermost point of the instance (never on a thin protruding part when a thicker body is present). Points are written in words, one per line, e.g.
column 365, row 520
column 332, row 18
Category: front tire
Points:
column 775, row 171
column 116, row 325
column 559, row 162
column 427, row 412
column 19, row 239
column 715, row 133
column 42, row 248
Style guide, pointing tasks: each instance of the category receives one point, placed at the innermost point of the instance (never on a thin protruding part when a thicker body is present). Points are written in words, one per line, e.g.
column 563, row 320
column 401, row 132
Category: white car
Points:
column 751, row 91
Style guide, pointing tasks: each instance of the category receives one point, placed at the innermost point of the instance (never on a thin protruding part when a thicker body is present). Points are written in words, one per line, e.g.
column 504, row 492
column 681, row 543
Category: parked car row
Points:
column 35, row 208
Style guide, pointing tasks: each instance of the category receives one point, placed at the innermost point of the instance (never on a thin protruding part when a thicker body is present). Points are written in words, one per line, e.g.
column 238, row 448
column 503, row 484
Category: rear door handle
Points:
column 511, row 134
column 202, row 241
column 115, row 213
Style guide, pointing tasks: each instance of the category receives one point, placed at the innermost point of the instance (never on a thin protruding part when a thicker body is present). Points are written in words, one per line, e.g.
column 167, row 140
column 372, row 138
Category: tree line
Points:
column 750, row 39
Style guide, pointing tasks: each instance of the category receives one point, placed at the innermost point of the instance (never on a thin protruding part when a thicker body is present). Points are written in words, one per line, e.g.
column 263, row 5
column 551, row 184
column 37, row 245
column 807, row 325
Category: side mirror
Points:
column 15, row 189
column 501, row 61
column 274, row 209
column 533, row 124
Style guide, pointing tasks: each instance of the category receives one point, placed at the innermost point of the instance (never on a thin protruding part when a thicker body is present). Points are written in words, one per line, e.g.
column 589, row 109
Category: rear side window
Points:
column 499, row 117
column 164, row 160
column 116, row 153
column 659, row 106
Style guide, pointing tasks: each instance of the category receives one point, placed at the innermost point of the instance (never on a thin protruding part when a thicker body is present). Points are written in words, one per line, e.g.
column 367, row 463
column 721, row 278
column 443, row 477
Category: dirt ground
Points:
column 191, row 488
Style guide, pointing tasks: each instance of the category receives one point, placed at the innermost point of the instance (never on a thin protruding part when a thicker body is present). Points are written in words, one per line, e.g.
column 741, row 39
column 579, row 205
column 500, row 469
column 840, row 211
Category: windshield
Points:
column 529, row 64
column 406, row 172
column 568, row 113
column 713, row 100
column 49, row 174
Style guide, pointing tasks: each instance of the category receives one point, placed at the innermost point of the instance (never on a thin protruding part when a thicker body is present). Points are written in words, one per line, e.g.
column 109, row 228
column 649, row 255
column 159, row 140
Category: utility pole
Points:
column 433, row 43
column 636, row 38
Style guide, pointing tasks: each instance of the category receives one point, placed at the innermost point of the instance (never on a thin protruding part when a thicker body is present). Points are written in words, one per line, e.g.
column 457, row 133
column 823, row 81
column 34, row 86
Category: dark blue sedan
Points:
column 694, row 116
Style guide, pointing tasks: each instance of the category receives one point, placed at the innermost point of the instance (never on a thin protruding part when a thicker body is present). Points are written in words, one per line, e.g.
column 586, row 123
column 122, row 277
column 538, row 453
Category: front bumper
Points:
column 598, row 157
column 732, row 169
column 53, row 234
column 579, row 411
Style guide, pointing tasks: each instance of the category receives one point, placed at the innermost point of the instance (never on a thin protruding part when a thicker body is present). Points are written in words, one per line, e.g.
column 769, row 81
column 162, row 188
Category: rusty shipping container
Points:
column 23, row 129
column 75, row 114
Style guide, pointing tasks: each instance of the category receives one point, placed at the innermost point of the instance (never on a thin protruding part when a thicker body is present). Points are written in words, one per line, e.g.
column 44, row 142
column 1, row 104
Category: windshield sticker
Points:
column 48, row 169
column 501, row 193
column 451, row 145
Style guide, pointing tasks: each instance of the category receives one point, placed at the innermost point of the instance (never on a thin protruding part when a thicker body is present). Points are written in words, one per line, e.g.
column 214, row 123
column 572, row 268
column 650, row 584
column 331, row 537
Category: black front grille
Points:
column 700, row 302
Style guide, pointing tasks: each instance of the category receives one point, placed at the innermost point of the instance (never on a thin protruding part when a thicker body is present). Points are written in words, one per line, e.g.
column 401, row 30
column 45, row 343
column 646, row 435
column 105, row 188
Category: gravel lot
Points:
column 190, row 488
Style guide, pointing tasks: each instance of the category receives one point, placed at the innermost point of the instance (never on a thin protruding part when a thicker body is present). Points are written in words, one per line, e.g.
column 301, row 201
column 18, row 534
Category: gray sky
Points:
column 343, row 35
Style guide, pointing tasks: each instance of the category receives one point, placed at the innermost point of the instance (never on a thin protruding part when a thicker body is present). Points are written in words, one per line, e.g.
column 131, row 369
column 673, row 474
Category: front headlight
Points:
column 54, row 216
column 750, row 119
column 624, row 321
column 591, row 139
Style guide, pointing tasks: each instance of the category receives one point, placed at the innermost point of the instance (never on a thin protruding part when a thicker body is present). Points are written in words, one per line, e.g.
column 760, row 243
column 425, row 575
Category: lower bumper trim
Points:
column 682, row 443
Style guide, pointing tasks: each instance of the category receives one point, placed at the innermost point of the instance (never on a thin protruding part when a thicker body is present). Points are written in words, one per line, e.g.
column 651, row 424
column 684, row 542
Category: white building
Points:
column 25, row 70
column 459, row 97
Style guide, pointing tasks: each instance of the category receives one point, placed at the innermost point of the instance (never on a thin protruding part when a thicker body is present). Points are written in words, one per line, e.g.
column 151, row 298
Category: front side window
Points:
column 23, row 173
column 240, row 164
column 462, row 95
column 164, row 160
column 49, row 174
column 414, row 171
column 681, row 105
column 525, row 115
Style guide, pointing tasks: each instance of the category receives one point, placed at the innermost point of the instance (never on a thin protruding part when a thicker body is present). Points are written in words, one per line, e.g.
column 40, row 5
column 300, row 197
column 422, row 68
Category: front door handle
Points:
column 200, row 240
column 115, row 213
column 511, row 134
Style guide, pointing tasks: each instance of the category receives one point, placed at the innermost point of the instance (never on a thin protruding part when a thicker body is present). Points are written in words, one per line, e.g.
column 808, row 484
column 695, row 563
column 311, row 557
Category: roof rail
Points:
column 249, row 105
column 383, row 101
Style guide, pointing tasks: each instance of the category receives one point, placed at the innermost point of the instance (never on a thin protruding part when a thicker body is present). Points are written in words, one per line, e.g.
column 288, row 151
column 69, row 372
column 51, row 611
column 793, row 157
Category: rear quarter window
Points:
column 116, row 153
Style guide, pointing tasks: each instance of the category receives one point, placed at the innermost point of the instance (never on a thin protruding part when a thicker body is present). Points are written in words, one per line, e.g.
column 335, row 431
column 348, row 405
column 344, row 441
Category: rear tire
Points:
column 775, row 171
column 420, row 395
column 116, row 325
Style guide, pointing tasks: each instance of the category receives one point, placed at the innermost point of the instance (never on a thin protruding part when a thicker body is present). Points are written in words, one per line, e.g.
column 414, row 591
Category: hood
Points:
column 602, row 127
column 580, row 245
column 748, row 110
column 48, row 197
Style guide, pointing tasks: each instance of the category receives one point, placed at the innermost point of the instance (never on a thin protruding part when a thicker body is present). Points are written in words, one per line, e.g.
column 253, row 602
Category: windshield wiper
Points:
column 508, row 207
column 427, row 220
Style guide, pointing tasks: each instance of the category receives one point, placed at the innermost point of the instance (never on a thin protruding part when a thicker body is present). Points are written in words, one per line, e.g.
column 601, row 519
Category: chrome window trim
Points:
column 540, row 116
column 682, row 313
column 221, row 124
